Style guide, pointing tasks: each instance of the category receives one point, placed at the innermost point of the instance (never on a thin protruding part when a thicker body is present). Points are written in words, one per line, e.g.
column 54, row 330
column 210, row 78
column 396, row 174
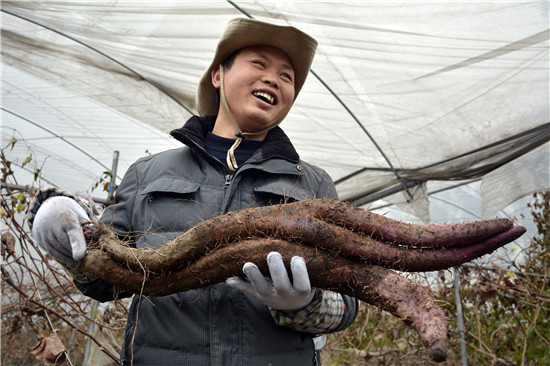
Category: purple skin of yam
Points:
column 423, row 260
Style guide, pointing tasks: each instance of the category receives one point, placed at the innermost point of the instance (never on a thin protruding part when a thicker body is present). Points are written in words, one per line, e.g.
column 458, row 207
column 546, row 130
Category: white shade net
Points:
column 400, row 93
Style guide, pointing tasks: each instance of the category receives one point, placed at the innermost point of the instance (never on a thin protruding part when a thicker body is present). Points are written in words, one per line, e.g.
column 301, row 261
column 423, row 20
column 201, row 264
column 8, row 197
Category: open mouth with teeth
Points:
column 265, row 97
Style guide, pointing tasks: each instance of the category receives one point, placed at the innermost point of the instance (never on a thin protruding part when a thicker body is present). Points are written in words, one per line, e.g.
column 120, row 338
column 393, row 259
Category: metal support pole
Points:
column 460, row 318
column 91, row 328
column 112, row 185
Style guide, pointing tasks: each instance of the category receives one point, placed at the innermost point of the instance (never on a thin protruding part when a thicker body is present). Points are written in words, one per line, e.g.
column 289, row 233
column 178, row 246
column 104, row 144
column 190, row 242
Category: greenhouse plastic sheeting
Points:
column 400, row 93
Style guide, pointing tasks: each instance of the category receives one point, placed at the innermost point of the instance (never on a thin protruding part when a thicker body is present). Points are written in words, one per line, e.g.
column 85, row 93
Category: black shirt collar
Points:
column 276, row 144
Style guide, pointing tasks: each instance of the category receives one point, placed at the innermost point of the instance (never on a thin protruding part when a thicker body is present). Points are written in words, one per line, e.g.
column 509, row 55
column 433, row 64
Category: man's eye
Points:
column 259, row 63
column 286, row 76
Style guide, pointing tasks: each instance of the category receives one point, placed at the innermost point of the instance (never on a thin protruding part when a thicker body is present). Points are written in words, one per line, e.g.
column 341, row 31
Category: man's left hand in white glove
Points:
column 279, row 293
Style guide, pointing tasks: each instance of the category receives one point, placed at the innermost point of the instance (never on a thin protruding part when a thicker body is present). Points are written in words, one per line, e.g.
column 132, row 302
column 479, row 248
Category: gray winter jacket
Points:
column 162, row 196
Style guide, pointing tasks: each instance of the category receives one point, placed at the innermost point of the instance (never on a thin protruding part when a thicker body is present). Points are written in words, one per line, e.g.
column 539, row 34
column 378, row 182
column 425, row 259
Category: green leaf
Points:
column 12, row 142
column 27, row 160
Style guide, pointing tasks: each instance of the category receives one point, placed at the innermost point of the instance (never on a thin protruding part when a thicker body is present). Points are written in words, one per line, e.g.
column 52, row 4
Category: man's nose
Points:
column 271, row 79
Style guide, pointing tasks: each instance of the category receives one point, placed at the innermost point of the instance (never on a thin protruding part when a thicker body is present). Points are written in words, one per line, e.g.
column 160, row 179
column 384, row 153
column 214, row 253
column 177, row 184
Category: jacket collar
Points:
column 276, row 144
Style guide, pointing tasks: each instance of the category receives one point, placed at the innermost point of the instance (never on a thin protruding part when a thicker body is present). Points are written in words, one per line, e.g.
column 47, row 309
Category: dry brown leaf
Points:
column 8, row 244
column 50, row 350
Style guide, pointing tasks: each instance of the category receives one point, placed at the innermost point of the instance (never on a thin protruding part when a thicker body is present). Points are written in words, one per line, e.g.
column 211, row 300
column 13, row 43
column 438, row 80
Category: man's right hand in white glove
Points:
column 57, row 229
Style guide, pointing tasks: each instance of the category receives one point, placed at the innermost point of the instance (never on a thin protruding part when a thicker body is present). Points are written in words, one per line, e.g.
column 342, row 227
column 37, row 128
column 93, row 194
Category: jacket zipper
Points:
column 129, row 336
column 228, row 180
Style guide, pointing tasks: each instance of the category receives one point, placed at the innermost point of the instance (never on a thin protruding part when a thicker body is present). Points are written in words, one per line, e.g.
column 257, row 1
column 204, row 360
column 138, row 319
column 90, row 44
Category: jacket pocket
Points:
column 276, row 193
column 170, row 208
column 171, row 185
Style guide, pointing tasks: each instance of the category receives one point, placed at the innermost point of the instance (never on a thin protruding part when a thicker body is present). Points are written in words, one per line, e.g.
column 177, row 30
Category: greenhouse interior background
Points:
column 423, row 111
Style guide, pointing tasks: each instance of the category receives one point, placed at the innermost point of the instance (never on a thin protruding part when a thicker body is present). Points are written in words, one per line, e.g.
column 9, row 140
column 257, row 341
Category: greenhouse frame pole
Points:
column 460, row 318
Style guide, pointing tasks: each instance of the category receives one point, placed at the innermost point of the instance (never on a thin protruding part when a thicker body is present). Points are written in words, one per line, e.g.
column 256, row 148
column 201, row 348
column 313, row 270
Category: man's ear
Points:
column 216, row 77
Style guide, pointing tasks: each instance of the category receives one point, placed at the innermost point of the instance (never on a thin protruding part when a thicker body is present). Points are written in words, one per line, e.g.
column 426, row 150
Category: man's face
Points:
column 259, row 87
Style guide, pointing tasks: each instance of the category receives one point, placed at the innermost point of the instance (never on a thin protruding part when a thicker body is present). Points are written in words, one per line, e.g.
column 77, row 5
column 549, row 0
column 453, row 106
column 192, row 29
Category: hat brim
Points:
column 244, row 32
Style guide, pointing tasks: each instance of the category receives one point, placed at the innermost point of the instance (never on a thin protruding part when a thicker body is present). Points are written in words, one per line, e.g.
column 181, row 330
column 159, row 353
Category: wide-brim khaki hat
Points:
column 244, row 32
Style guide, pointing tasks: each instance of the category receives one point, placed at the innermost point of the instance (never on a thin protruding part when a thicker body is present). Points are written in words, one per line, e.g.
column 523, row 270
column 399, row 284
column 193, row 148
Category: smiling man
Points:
column 261, row 85
column 235, row 156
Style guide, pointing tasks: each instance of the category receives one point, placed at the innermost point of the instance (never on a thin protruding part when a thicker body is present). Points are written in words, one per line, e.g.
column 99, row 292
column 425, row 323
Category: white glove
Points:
column 57, row 229
column 278, row 293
